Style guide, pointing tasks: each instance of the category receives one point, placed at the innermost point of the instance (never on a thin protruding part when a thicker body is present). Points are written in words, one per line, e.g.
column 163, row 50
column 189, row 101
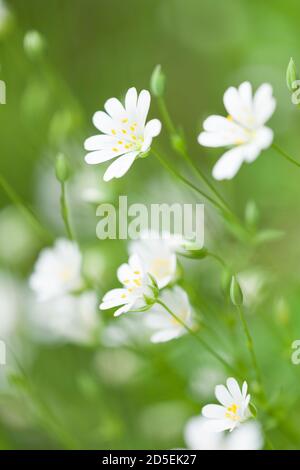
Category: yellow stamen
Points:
column 113, row 132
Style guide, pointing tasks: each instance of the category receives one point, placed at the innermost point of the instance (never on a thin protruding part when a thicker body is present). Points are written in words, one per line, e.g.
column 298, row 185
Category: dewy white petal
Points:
column 229, row 164
column 120, row 166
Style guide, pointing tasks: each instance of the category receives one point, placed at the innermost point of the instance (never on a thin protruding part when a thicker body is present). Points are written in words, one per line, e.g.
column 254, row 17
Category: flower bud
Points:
column 157, row 82
column 62, row 169
column 291, row 75
column 34, row 44
column 251, row 214
column 236, row 294
column 178, row 143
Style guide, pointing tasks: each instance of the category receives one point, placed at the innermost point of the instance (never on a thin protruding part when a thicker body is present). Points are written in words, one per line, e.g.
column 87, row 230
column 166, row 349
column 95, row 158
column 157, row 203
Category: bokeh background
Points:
column 123, row 392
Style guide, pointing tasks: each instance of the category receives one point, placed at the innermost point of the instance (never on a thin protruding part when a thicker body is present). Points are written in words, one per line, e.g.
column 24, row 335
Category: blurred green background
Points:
column 141, row 395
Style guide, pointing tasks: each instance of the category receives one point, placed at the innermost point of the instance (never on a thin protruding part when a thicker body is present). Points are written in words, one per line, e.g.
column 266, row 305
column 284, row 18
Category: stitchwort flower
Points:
column 57, row 271
column 125, row 134
column 234, row 408
column 163, row 325
column 243, row 130
column 136, row 291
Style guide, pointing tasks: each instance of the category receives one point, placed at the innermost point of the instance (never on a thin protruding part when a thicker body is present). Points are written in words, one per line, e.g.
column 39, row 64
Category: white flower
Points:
column 57, row 270
column 125, row 133
column 135, row 285
column 198, row 437
column 163, row 323
column 69, row 318
column 234, row 408
column 243, row 130
column 157, row 255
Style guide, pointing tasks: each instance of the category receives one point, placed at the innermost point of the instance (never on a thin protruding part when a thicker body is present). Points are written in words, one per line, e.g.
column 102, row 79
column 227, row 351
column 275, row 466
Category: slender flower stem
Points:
column 65, row 212
column 285, row 155
column 217, row 258
column 250, row 344
column 198, row 338
column 27, row 213
column 172, row 129
column 186, row 181
column 224, row 212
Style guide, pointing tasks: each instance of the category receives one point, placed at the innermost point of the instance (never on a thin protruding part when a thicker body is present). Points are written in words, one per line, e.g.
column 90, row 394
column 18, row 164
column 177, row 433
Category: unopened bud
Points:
column 157, row 82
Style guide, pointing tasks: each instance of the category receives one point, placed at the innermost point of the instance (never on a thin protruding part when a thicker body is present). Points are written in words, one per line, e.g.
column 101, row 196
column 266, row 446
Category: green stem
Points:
column 172, row 129
column 65, row 212
column 217, row 258
column 285, row 155
column 198, row 338
column 25, row 211
column 186, row 181
column 250, row 345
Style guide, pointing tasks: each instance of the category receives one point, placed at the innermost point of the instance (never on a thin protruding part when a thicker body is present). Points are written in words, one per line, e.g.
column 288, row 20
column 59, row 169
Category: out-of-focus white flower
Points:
column 157, row 255
column 135, row 286
column 125, row 133
column 234, row 408
column 131, row 330
column 198, row 437
column 57, row 271
column 71, row 318
column 252, row 283
column 165, row 326
column 243, row 130
column 87, row 186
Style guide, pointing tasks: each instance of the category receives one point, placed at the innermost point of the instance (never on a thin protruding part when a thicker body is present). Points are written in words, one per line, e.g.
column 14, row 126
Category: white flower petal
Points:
column 245, row 91
column 120, row 166
column 237, row 108
column 246, row 437
column 264, row 104
column 100, row 156
column 166, row 335
column 121, row 310
column 234, row 389
column 215, row 139
column 114, row 108
column 152, row 128
column 103, row 122
column 131, row 102
column 99, row 142
column 229, row 164
column 143, row 105
column 219, row 425
column 214, row 411
column 223, row 396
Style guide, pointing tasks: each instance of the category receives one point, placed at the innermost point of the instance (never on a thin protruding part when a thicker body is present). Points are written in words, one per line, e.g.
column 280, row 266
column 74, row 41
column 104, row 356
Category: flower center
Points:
column 127, row 138
column 232, row 412
column 65, row 274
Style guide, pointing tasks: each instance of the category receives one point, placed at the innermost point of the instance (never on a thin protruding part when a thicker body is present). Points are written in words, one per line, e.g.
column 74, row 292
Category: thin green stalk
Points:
column 198, row 338
column 285, row 155
column 172, row 129
column 26, row 212
column 217, row 258
column 186, row 181
column 250, row 345
column 65, row 212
